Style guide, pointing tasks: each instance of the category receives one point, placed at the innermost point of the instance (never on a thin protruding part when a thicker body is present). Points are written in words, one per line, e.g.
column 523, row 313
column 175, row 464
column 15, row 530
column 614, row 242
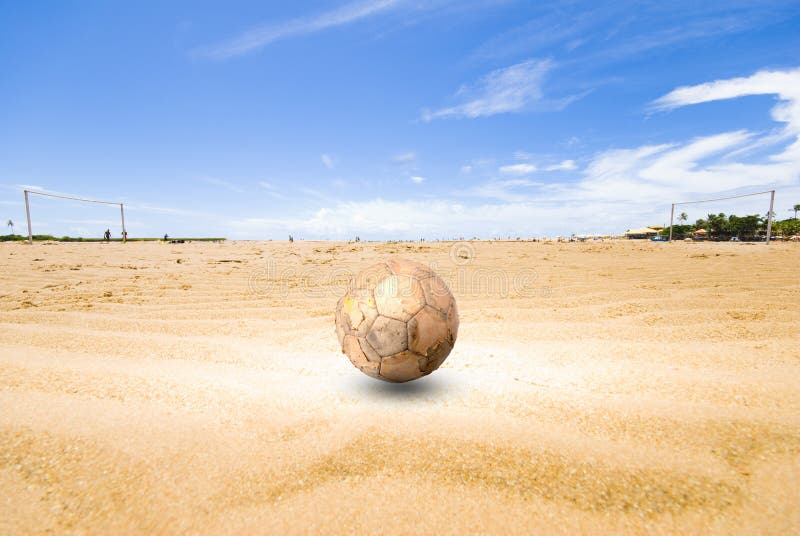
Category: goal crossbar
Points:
column 769, row 214
column 59, row 196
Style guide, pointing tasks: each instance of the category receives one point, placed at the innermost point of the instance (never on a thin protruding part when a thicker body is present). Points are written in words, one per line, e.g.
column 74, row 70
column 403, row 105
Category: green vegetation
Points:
column 786, row 227
column 20, row 238
column 722, row 227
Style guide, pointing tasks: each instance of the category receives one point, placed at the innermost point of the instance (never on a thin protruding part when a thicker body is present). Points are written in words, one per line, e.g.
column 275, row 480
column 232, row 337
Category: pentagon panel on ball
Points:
column 397, row 321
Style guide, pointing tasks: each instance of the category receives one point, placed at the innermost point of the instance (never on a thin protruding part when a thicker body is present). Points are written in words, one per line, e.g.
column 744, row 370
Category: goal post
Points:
column 769, row 214
column 47, row 194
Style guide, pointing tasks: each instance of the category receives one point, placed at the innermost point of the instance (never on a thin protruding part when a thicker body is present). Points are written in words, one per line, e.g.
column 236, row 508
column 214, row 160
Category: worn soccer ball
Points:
column 397, row 321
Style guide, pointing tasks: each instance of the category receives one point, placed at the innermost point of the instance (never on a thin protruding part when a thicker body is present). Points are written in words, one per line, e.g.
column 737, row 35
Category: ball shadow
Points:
column 427, row 387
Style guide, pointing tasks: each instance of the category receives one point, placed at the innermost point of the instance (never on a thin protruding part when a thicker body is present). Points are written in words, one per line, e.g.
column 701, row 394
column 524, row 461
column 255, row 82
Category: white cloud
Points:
column 416, row 179
column 707, row 165
column 466, row 169
column 518, row 169
column 405, row 158
column 411, row 219
column 328, row 161
column 566, row 165
column 784, row 84
column 618, row 189
column 261, row 36
column 511, row 89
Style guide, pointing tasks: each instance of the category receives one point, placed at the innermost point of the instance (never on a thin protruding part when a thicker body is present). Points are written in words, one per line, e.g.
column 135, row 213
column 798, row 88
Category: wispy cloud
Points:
column 516, row 88
column 518, row 169
column 784, row 84
column 511, row 191
column 707, row 165
column 259, row 37
column 405, row 158
column 222, row 184
column 566, row 165
column 328, row 161
column 317, row 195
column 620, row 187
column 416, row 179
column 593, row 32
column 271, row 190
column 174, row 211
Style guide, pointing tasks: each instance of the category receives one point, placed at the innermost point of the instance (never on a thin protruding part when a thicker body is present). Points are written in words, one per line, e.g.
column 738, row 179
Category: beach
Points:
column 199, row 388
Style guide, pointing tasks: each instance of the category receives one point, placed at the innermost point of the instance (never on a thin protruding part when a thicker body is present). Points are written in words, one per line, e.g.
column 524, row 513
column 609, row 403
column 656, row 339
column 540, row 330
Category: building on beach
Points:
column 641, row 234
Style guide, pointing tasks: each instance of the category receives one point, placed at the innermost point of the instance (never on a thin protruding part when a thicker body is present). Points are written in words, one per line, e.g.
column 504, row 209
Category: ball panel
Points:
column 399, row 297
column 410, row 268
column 371, row 369
column 427, row 329
column 351, row 347
column 388, row 336
column 452, row 320
column 436, row 356
column 370, row 276
column 352, row 311
column 401, row 367
column 370, row 313
column 356, row 311
column 368, row 350
column 422, row 363
column 437, row 294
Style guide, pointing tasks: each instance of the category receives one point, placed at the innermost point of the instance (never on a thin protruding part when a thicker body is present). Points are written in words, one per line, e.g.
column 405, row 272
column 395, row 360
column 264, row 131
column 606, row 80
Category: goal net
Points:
column 96, row 217
column 733, row 217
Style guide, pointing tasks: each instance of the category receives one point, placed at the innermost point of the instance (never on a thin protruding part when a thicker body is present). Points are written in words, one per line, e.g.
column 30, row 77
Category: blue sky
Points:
column 395, row 119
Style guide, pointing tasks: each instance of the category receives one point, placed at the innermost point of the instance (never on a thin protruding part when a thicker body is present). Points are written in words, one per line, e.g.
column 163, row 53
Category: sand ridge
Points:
column 614, row 386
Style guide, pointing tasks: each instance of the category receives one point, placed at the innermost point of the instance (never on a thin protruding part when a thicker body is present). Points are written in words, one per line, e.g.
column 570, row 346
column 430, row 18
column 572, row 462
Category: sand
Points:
column 198, row 388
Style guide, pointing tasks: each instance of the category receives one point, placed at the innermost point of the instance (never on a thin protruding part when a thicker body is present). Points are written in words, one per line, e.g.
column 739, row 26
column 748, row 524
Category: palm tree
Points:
column 683, row 217
column 11, row 224
column 796, row 209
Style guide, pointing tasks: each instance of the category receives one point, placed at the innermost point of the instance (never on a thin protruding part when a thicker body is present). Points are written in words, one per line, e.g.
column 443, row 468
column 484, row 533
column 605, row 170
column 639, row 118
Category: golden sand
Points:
column 199, row 388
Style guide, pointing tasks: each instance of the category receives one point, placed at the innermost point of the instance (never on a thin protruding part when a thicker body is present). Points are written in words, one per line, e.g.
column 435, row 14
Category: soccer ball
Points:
column 397, row 321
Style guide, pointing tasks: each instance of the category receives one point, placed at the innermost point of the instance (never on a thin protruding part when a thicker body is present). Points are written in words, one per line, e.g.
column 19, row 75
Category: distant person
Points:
column 166, row 237
column 291, row 238
column 107, row 235
column 124, row 236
